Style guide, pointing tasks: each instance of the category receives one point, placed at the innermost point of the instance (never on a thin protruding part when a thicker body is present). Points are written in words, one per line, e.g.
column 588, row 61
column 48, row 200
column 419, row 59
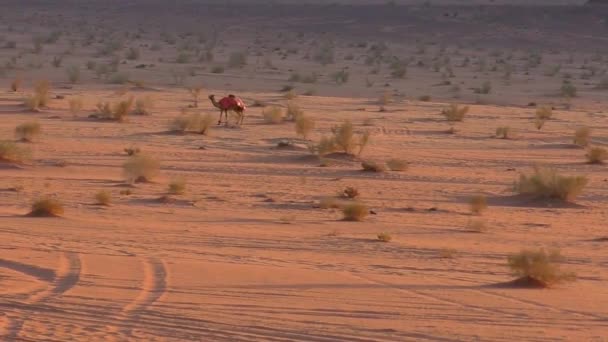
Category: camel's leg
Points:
column 219, row 122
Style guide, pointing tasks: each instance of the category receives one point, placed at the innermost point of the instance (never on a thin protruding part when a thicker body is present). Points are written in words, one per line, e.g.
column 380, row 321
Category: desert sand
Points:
column 247, row 253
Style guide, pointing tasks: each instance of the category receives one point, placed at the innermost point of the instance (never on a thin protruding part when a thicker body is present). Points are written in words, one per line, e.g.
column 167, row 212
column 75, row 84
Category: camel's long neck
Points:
column 214, row 102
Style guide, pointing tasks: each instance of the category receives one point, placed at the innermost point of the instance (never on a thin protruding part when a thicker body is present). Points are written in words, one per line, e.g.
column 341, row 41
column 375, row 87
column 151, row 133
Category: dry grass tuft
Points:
column 177, row 186
column 539, row 267
column 141, row 168
column 478, row 204
column 46, row 207
column 16, row 84
column 304, row 126
column 384, row 237
column 355, row 211
column 75, row 104
column 504, row 132
column 373, row 166
column 103, row 198
column 547, row 183
column 12, row 153
column 397, row 164
column 273, row 115
column 40, row 98
column 542, row 115
column 455, row 113
column 28, row 131
column 597, row 155
column 350, row 192
column 582, row 136
column 143, row 105
column 196, row 122
column 115, row 112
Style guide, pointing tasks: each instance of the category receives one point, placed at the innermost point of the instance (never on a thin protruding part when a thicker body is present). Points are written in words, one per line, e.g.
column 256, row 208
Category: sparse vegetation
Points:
column 373, row 166
column 75, row 105
column 304, row 126
column 343, row 139
column 504, row 132
column 16, row 84
column 478, row 204
column 177, row 186
column 73, row 73
column 40, row 98
column 568, row 89
column 582, row 136
column 10, row 152
column 195, row 122
column 195, row 92
column 350, row 192
column 115, row 112
column 548, row 183
column 103, row 198
column 46, row 207
column 355, row 211
column 539, row 267
column 143, row 105
column 141, row 168
column 455, row 113
column 542, row 115
column 597, row 155
column 273, row 115
column 384, row 237
column 394, row 164
column 28, row 131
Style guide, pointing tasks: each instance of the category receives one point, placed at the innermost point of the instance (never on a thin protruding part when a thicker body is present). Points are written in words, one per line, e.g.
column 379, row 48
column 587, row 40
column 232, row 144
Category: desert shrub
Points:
column 195, row 122
column 325, row 54
column 478, row 204
column 476, row 226
column 568, row 89
column 103, row 198
column 455, row 113
column 293, row 111
column 394, row 164
column 304, row 125
column 504, row 132
column 141, row 168
column 384, row 100
column 57, row 61
column 373, row 166
column 46, row 207
column 115, row 112
column 539, row 267
column 73, row 72
column 597, row 155
column 346, row 140
column 350, row 192
column 237, row 60
column 355, row 211
column 331, row 203
column 547, row 183
column 143, row 105
column 41, row 96
column 384, row 237
column 290, row 94
column 75, row 105
column 582, row 135
column 340, row 77
column 16, row 84
column 542, row 115
column 182, row 58
column 485, row 88
column 119, row 78
column 27, row 131
column 132, row 150
column 132, row 54
column 91, row 65
column 424, row 98
column 218, row 69
column 195, row 92
column 272, row 115
column 177, row 186
column 13, row 153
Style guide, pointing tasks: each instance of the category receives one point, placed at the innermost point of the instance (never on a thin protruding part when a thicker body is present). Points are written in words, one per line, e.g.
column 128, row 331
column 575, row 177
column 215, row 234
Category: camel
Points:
column 229, row 103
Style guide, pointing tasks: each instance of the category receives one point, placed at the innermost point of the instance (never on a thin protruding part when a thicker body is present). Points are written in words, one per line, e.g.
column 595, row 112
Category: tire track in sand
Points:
column 66, row 277
column 154, row 286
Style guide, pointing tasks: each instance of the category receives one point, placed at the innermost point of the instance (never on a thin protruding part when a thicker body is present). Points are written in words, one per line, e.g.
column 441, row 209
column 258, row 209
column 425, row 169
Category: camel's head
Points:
column 211, row 97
